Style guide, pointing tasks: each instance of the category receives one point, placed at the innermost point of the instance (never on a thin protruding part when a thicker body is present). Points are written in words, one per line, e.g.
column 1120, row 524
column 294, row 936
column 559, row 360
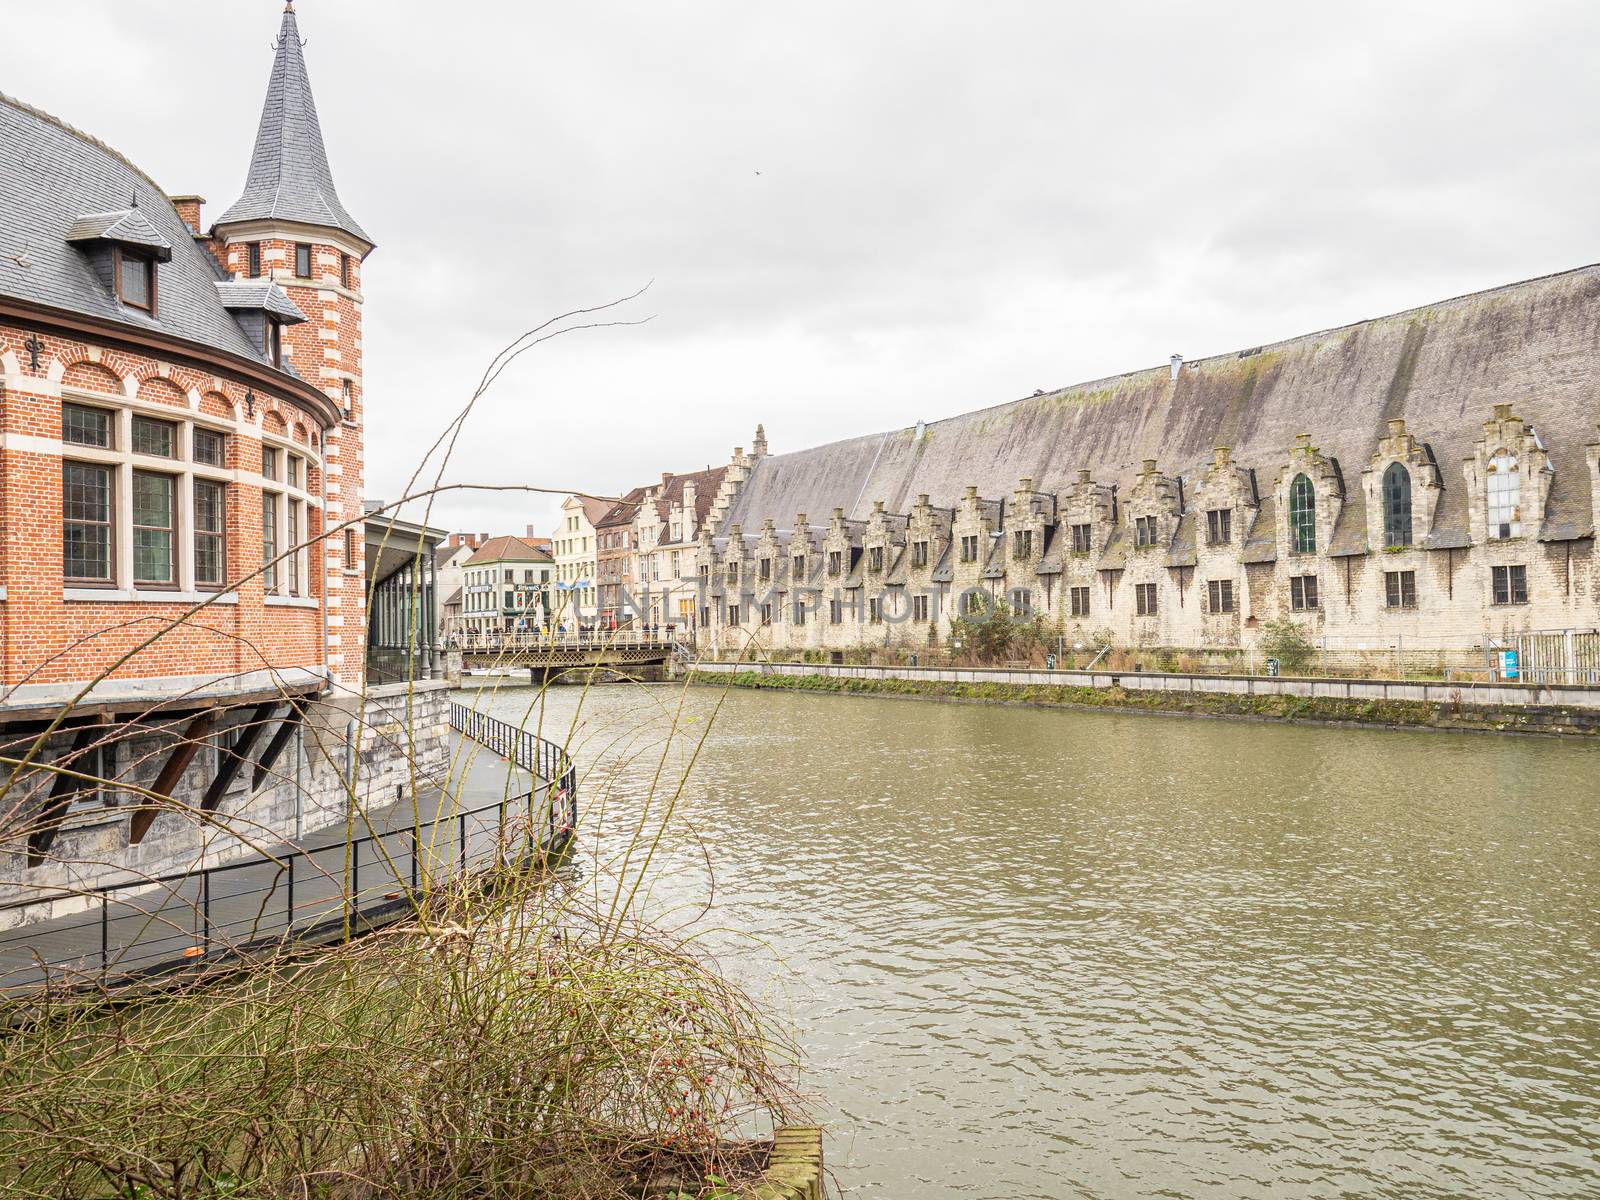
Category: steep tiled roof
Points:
column 508, row 548
column 624, row 510
column 56, row 177
column 706, row 485
column 289, row 177
column 1442, row 367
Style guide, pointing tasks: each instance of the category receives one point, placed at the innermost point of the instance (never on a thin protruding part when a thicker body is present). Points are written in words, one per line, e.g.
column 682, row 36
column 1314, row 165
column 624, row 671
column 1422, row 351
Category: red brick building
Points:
column 181, row 411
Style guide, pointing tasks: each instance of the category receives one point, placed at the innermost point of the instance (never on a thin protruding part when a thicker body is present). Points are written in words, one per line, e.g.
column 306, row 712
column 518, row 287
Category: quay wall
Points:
column 374, row 747
column 1495, row 707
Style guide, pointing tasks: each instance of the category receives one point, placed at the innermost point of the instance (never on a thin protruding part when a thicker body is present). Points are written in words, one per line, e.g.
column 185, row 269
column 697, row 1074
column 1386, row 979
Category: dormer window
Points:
column 274, row 343
column 123, row 248
column 136, row 279
column 1145, row 530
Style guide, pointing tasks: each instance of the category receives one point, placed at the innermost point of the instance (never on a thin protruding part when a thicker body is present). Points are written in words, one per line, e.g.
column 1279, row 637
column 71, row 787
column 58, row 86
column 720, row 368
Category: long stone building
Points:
column 1430, row 478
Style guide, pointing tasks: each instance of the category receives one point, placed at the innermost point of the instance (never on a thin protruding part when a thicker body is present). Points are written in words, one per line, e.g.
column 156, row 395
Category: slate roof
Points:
column 127, row 226
column 1442, row 367
column 1182, row 552
column 239, row 294
column 289, row 177
column 55, row 176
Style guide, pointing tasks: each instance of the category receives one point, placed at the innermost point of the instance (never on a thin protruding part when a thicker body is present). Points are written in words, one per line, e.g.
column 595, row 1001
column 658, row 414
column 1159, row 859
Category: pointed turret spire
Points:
column 290, row 179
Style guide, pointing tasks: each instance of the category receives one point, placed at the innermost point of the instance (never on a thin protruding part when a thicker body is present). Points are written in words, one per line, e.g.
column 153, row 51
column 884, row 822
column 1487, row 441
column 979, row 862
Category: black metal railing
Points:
column 134, row 928
column 527, row 750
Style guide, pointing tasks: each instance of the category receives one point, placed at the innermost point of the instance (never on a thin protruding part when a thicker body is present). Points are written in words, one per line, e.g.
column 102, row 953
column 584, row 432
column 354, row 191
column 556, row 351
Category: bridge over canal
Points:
column 624, row 650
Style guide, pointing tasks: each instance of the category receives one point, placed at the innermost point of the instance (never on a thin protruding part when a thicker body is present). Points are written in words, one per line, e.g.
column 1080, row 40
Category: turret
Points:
column 289, row 226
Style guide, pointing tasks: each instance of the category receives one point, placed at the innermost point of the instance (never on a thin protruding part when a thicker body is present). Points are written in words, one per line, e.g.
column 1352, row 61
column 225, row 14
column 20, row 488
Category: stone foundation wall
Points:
column 376, row 748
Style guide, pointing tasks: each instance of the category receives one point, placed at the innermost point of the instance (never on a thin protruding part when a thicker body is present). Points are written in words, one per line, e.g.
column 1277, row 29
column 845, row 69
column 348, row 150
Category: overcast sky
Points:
column 857, row 214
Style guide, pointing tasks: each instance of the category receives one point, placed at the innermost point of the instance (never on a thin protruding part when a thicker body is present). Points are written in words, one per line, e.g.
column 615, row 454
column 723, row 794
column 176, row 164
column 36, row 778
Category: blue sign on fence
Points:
column 1508, row 665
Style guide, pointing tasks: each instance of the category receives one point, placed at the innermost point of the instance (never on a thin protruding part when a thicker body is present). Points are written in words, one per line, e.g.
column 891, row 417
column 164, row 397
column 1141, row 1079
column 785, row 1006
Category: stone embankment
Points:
column 1552, row 709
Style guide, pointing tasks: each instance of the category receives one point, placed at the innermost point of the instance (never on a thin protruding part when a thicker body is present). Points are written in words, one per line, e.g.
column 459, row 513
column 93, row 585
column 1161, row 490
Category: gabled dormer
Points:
column 1402, row 487
column 1509, row 477
column 927, row 536
column 1030, row 514
column 1310, row 496
column 1225, row 504
column 972, row 531
column 880, row 542
column 124, row 250
column 263, row 310
column 1152, row 511
column 767, row 558
column 839, row 547
column 1087, row 513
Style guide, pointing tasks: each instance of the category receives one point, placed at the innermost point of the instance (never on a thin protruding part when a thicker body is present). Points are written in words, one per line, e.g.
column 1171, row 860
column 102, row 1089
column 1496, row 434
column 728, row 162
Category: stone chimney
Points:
column 1177, row 364
column 972, row 491
column 1221, row 455
column 1149, row 466
column 666, row 478
column 689, row 497
column 1083, row 475
column 189, row 209
column 758, row 448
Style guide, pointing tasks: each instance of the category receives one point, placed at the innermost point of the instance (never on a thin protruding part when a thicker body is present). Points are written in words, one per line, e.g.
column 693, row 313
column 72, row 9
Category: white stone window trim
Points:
column 104, row 595
column 171, row 412
column 124, row 461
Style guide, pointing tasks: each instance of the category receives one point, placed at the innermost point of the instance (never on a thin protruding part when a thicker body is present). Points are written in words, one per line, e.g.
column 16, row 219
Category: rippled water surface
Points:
column 1063, row 954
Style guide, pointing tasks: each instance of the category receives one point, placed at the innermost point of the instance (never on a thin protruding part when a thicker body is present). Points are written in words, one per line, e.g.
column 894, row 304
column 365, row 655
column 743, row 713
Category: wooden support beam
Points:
column 280, row 739
column 234, row 760
column 172, row 770
column 62, row 792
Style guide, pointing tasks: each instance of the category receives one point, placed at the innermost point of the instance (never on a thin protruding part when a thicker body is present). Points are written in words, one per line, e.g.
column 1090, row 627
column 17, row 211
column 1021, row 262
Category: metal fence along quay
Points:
column 325, row 887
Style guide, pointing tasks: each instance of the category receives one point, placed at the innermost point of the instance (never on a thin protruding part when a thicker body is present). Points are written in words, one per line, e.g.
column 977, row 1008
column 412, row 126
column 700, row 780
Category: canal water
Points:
column 1060, row 954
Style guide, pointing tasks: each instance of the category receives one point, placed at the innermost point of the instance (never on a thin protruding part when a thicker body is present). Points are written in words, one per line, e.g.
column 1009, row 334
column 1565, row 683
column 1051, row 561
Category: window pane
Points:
column 86, row 526
column 1303, row 515
column 208, row 447
column 154, row 437
column 210, row 566
column 135, row 282
column 82, row 426
column 269, row 462
column 294, row 541
column 302, row 261
column 153, row 505
column 85, row 492
column 269, row 538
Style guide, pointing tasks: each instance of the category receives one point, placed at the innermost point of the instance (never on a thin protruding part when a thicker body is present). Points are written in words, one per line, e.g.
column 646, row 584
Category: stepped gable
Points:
column 1442, row 367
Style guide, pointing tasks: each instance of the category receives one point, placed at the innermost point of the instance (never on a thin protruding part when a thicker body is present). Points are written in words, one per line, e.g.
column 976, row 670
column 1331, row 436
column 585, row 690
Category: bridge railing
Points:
column 146, row 926
column 615, row 639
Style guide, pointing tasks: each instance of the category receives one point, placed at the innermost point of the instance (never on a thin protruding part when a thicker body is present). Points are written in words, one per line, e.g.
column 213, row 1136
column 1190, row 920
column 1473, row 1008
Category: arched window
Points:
column 1397, row 505
column 1505, row 496
column 1303, row 515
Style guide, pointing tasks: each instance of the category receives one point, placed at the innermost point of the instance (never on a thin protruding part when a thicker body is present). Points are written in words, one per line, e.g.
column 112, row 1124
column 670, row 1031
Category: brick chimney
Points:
column 189, row 209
